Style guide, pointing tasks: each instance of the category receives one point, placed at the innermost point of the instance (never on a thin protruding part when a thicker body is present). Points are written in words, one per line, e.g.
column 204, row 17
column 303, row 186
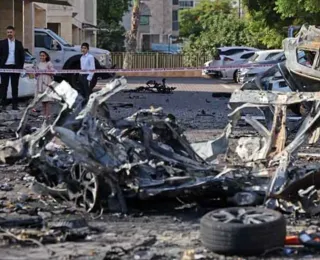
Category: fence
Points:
column 157, row 60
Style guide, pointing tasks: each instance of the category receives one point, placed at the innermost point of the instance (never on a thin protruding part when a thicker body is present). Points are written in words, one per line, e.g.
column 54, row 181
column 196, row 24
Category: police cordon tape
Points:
column 75, row 71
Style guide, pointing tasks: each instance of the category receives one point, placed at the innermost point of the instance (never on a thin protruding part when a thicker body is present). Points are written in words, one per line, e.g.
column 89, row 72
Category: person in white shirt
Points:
column 87, row 64
column 11, row 57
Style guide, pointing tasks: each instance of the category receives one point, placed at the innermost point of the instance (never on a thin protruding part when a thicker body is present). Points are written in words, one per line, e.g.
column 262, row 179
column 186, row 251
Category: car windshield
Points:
column 61, row 40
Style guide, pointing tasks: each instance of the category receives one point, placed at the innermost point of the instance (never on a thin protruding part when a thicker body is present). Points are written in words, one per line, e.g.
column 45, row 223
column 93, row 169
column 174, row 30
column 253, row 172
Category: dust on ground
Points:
column 152, row 230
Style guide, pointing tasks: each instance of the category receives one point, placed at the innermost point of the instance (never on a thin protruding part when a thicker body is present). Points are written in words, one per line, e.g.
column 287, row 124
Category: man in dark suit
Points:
column 11, row 57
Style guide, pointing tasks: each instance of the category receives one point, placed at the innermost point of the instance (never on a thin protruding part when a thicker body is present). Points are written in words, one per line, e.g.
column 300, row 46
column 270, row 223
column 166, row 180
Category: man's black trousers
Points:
column 5, row 77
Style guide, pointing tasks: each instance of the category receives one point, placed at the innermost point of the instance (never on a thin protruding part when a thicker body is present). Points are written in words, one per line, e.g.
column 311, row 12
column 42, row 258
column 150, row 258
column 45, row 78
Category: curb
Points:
column 166, row 74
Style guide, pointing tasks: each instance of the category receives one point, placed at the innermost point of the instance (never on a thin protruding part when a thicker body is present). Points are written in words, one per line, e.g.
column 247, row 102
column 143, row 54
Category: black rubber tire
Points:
column 235, row 76
column 243, row 239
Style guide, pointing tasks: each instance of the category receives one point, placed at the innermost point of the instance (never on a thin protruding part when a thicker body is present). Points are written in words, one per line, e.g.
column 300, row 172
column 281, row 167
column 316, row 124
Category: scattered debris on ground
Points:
column 262, row 180
column 155, row 87
column 98, row 163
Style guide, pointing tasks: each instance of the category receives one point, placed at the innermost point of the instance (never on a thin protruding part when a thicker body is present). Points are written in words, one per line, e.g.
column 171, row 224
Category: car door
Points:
column 239, row 59
column 44, row 42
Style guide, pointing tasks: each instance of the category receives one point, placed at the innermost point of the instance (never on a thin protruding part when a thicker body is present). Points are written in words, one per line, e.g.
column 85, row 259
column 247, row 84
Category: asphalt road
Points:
column 186, row 84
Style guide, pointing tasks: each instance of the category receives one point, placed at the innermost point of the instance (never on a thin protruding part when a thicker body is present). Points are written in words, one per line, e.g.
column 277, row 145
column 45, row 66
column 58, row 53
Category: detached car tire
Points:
column 242, row 231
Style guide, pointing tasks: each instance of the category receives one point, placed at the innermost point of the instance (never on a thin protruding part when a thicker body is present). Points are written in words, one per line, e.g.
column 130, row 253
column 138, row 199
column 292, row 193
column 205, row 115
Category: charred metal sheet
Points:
column 145, row 155
column 266, row 98
column 272, row 145
column 302, row 53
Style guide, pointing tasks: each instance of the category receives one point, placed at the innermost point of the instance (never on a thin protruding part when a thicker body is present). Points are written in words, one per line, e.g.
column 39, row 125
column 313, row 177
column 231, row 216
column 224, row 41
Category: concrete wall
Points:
column 71, row 19
column 40, row 16
column 11, row 14
column 28, row 26
column 63, row 16
column 18, row 23
column 164, row 74
column 6, row 14
column 25, row 17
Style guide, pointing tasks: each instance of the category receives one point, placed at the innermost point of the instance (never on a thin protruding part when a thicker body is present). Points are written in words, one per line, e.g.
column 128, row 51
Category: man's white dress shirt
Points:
column 87, row 63
column 12, row 47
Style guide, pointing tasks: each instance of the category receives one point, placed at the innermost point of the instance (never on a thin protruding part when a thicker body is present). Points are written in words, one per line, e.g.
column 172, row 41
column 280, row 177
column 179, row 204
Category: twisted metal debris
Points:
column 105, row 162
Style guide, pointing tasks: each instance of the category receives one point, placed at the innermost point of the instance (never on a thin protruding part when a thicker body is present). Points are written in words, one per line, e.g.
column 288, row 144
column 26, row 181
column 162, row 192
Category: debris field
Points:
column 135, row 187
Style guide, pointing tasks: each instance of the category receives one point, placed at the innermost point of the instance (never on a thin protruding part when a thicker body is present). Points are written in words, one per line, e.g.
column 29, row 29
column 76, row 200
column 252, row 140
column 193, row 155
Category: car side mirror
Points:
column 55, row 46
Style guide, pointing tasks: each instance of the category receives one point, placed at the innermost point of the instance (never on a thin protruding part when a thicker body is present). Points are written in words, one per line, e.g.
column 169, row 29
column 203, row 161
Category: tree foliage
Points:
column 109, row 16
column 194, row 21
column 215, row 23
column 269, row 19
column 211, row 25
column 309, row 9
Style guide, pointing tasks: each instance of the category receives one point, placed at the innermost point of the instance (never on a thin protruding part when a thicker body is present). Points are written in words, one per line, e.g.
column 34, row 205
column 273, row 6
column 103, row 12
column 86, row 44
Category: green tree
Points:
column 109, row 15
column 301, row 9
column 193, row 21
column 269, row 19
column 211, row 25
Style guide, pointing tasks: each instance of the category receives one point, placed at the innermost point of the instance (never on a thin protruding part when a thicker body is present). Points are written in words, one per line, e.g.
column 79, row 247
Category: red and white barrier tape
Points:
column 73, row 71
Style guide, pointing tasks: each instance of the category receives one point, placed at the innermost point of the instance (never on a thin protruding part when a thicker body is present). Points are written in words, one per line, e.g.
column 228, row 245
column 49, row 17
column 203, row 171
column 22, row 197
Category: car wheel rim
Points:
column 242, row 216
column 89, row 188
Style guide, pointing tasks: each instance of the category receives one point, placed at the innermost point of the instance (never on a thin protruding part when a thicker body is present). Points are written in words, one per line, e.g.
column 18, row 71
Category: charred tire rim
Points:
column 242, row 231
column 89, row 183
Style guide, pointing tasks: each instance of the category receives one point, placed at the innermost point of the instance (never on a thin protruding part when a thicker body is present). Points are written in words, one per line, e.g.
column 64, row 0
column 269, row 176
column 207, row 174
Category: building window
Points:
column 175, row 22
column 144, row 20
column 175, row 2
column 186, row 4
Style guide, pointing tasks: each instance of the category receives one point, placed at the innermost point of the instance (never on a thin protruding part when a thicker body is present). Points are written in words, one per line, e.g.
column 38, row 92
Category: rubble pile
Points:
column 86, row 157
column 103, row 162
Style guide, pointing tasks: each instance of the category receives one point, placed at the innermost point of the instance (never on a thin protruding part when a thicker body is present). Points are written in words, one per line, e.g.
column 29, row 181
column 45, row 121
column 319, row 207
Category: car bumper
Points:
column 211, row 72
column 27, row 88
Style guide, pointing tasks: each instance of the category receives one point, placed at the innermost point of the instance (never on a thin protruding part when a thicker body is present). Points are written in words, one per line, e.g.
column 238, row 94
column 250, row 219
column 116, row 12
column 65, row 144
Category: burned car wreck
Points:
column 104, row 163
column 142, row 156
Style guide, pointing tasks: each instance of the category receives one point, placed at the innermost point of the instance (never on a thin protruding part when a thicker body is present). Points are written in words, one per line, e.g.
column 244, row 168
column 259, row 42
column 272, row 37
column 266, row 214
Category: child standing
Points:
column 44, row 80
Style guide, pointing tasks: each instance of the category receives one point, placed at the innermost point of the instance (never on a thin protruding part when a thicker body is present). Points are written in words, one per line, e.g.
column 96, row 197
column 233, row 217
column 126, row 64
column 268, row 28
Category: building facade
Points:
column 74, row 20
column 158, row 22
column 75, row 23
